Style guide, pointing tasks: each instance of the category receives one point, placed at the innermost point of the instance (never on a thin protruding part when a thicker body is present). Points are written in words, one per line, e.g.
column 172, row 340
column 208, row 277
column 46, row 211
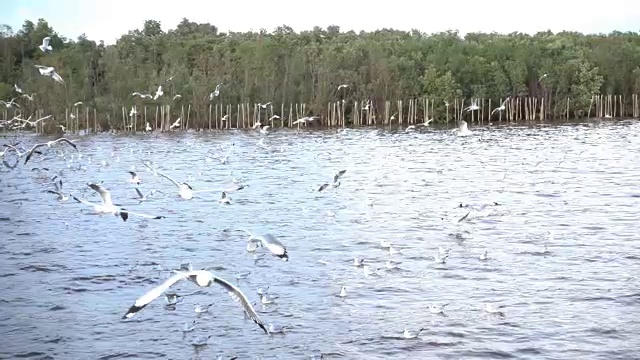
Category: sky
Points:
column 108, row 20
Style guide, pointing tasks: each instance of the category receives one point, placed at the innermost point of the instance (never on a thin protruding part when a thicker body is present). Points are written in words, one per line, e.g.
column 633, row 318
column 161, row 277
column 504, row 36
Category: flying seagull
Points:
column 338, row 175
column 215, row 93
column 10, row 104
column 107, row 206
column 51, row 72
column 202, row 278
column 270, row 242
column 17, row 88
column 185, row 190
column 45, row 47
column 143, row 96
column 135, row 179
column 58, row 191
column 343, row 86
column 502, row 106
column 158, row 93
column 142, row 197
column 264, row 106
column 48, row 144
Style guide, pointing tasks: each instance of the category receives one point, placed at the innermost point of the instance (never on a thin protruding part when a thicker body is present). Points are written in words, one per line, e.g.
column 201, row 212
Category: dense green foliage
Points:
column 307, row 67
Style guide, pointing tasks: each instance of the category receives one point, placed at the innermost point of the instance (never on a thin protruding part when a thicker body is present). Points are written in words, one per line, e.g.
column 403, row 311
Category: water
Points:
column 67, row 276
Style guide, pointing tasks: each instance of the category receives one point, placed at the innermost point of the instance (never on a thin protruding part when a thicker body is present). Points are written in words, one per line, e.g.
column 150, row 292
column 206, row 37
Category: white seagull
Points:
column 107, row 206
column 48, row 144
column 135, row 179
column 51, row 72
column 177, row 97
column 58, row 191
column 270, row 242
column 46, row 47
column 462, row 129
column 408, row 335
column 502, row 106
column 17, row 88
column 143, row 96
column 202, row 278
column 143, row 197
column 264, row 106
column 224, row 199
column 175, row 124
column 185, row 190
column 10, row 104
column 343, row 86
column 158, row 93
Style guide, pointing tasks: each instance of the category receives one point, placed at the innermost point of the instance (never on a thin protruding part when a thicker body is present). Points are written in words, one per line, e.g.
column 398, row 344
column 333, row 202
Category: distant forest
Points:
column 284, row 66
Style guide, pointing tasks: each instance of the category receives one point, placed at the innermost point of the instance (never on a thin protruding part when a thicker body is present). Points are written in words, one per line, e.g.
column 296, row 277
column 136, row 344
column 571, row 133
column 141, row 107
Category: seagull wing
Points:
column 275, row 246
column 104, row 193
column 238, row 296
column 152, row 294
column 139, row 193
column 55, row 76
column 32, row 151
column 168, row 178
column 142, row 215
column 45, row 41
column 65, row 140
column 83, row 201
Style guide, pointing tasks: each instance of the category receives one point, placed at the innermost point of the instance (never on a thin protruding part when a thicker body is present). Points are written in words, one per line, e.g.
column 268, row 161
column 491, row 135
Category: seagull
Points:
column 270, row 242
column 48, row 144
column 305, row 120
column 202, row 278
column 410, row 128
column 107, row 206
column 263, row 128
column 542, row 77
column 264, row 106
column 224, row 199
column 408, row 335
column 31, row 123
column 440, row 260
column 10, row 103
column 502, row 106
column 133, row 111
column 177, row 97
column 484, row 255
column 473, row 107
column 188, row 327
column 158, row 93
column 58, row 191
column 274, row 117
column 148, row 127
column 343, row 292
column 77, row 104
column 29, row 97
column 135, row 179
column 143, row 197
column 265, row 300
column 17, row 88
column 175, row 124
column 494, row 309
column 343, row 86
column 358, row 262
column 45, row 47
column 462, row 129
column 202, row 309
column 338, row 175
column 51, row 72
column 437, row 308
column 426, row 123
column 215, row 92
column 185, row 190
column 323, row 186
column 143, row 96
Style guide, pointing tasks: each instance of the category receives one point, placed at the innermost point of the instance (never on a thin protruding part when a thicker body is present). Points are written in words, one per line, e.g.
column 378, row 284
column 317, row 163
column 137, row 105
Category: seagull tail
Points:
column 124, row 215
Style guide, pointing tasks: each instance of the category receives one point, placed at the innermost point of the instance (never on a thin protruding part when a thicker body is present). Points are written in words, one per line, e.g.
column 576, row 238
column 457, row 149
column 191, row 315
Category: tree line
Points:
column 285, row 66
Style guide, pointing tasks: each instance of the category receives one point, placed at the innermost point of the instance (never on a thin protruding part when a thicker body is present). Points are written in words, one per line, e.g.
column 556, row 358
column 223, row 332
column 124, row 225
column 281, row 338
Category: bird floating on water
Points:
column 409, row 335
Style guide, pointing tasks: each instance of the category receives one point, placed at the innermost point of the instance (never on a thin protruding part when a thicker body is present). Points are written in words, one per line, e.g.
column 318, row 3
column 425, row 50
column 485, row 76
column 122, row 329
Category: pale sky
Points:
column 108, row 20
